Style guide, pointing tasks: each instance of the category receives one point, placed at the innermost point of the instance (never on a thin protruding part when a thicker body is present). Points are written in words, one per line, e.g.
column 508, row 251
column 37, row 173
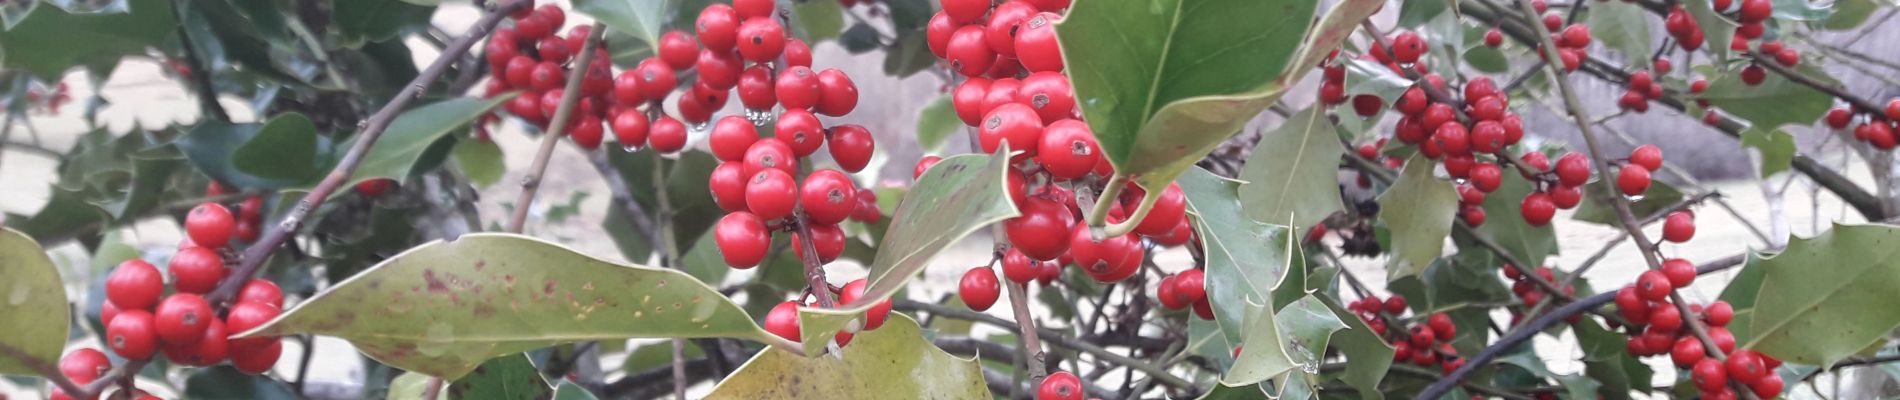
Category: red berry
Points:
column 210, row 225
column 1753, row 75
column 838, row 95
column 979, row 288
column 827, row 196
column 874, row 317
column 1679, row 227
column 770, row 194
column 245, row 316
column 587, row 132
column 1573, row 169
column 1755, row 11
column 742, row 239
column 132, row 334
column 730, row 138
column 801, row 130
column 1648, row 155
column 257, row 359
column 1488, row 137
column 1493, row 37
column 1486, row 177
column 1452, row 139
column 1407, row 47
column 923, row 165
column 1035, row 43
column 1019, row 268
column 1060, row 385
column 827, row 240
column 1004, row 21
column 1719, row 313
column 1442, row 326
column 797, row 88
column 1709, row 375
column 182, row 318
column 1165, row 213
column 1168, row 294
column 770, row 153
column 1654, row 286
column 1893, row 111
column 1788, row 56
column 718, row 27
column 851, row 146
column 134, row 285
column 196, row 270
column 1042, row 232
column 761, row 39
column 1537, row 209
column 1632, row 180
column 969, row 51
column 937, row 33
column 718, row 68
column 752, row 9
column 1423, row 337
column 678, row 50
column 1553, row 21
column 1395, row 305
column 1576, row 36
column 84, row 365
column 1067, row 149
column 1680, row 272
column 261, row 291
column 797, row 53
column 1049, row 94
column 968, row 100
column 1015, row 124
column 1191, row 285
column 1745, row 366
column 728, row 182
column 1665, row 318
column 1839, row 117
column 964, row 11
column 1631, row 305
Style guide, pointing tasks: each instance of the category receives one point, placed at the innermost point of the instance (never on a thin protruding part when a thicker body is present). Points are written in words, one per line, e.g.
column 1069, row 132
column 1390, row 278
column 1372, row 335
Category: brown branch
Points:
column 1768, row 61
column 47, row 370
column 259, row 252
column 557, row 128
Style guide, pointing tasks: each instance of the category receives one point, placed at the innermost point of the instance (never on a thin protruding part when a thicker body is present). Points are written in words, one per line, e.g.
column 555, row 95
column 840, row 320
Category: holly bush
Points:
column 1181, row 184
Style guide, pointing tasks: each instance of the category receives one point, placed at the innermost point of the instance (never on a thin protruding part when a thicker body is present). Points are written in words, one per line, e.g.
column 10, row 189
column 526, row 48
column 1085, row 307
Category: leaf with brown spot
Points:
column 428, row 310
column 892, row 362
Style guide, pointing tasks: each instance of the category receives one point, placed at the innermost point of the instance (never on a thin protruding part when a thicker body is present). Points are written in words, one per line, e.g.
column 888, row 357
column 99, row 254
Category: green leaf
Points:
column 1487, row 59
column 504, row 378
column 1246, row 259
column 396, row 154
column 1660, row 196
column 444, row 307
column 1710, row 21
column 212, row 146
column 819, row 20
column 1263, row 350
column 1741, row 294
column 1606, row 359
column 640, row 18
column 1162, row 85
column 909, row 55
column 1776, row 149
column 655, row 355
column 48, row 40
column 409, row 386
column 1578, row 387
column 225, row 382
column 570, row 391
column 688, row 197
column 894, row 361
column 1299, row 184
column 152, row 176
column 34, row 295
column 65, row 215
column 1308, row 326
column 359, row 21
column 958, row 196
column 1418, row 209
column 480, row 160
column 937, row 122
column 1623, row 27
column 1849, row 14
column 1530, row 244
column 1368, row 355
column 1776, row 101
column 1828, row 297
column 285, row 148
column 1416, row 12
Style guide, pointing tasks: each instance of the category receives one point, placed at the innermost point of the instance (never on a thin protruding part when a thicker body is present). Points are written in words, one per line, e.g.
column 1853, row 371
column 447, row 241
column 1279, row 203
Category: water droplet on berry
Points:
column 1633, row 198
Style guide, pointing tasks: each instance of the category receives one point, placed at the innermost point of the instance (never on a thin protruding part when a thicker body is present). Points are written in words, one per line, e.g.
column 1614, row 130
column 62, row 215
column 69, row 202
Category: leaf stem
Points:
column 259, row 252
column 1099, row 212
column 557, row 128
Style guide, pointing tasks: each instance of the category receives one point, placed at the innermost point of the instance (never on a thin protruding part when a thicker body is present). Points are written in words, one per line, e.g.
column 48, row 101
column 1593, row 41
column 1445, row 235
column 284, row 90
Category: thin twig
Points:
column 557, row 128
column 200, row 76
column 255, row 256
column 46, row 370
column 1055, row 338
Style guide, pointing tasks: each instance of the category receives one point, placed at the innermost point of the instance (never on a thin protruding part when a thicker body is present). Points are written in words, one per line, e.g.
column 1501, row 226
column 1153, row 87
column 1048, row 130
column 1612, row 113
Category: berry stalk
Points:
column 255, row 255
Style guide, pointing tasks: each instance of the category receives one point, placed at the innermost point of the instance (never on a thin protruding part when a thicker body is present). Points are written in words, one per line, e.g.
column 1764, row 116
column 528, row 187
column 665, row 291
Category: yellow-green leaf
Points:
column 443, row 308
column 32, row 295
column 892, row 362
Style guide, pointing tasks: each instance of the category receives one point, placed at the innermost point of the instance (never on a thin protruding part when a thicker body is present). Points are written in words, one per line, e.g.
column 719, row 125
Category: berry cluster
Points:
column 1531, row 293
column 783, row 319
column 979, row 287
column 141, row 320
column 83, row 366
column 533, row 58
column 1642, row 88
column 1878, row 129
column 1659, row 326
column 250, row 217
column 1572, row 41
column 1186, row 289
column 1424, row 344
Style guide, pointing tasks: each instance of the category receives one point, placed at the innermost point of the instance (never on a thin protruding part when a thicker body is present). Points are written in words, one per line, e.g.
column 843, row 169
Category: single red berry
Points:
column 210, row 225
column 752, row 9
column 828, row 196
column 1019, row 268
column 1407, row 47
column 1893, row 111
column 656, row 79
column 1631, row 304
column 1442, row 326
column 1423, row 337
column 874, row 317
column 1035, row 43
column 1709, row 375
column 827, row 240
column 1687, row 352
column 1788, row 56
column 261, row 291
column 1003, row 23
column 1648, row 155
column 1553, row 22
column 1165, row 213
column 718, row 27
column 181, row 318
column 1042, row 232
column 133, row 334
column 1679, row 271
column 1632, row 180
column 1015, row 124
column 742, row 239
column 1654, row 286
column 969, row 51
column 730, row 138
column 728, row 182
column 1537, row 209
column 1768, row 387
column 1755, row 11
column 838, row 94
column 1665, row 318
column 1060, row 385
column 1068, row 149
column 259, row 358
column 678, row 50
column 134, row 285
column 1745, row 366
column 797, row 88
column 851, row 146
column 1576, row 36
column 1573, row 169
column 801, row 130
column 923, row 165
column 1488, row 137
column 770, row 194
column 1167, row 293
column 797, row 53
column 761, row 39
column 968, row 99
column 245, row 316
column 770, row 153
column 1191, row 285
column 84, row 365
column 1486, row 176
column 587, row 132
column 979, row 288
column 1753, row 75
column 1493, row 37
column 1049, row 94
column 1839, row 117
column 964, row 11
column 1719, row 313
column 1395, row 305
column 196, row 270
column 718, row 69
column 1679, row 227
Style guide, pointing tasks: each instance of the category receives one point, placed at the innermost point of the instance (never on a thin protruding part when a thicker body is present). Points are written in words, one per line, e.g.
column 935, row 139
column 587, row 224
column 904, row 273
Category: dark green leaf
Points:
column 894, row 361
column 1828, row 297
column 1623, row 27
column 859, row 39
column 359, row 21
column 1299, row 184
column 511, row 377
column 958, row 196
column 639, row 18
column 66, row 214
column 655, row 355
column 1414, row 13
column 1606, row 359
column 284, row 148
column 908, row 56
column 225, row 382
column 34, row 296
column 1486, row 59
column 444, row 307
column 937, row 122
column 153, row 173
column 1776, row 101
column 212, row 146
column 1418, row 209
column 413, row 132
column 688, row 199
column 1741, row 294
column 1263, row 352
column 48, row 40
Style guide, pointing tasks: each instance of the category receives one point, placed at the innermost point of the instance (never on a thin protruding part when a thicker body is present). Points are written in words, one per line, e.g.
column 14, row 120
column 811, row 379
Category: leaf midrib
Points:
column 1306, row 136
column 1154, row 83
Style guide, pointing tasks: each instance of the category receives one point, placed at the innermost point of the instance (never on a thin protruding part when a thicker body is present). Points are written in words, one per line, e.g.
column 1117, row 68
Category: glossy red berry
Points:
column 801, row 130
column 979, row 288
column 1573, row 169
column 923, row 165
column 1165, row 213
column 1442, row 326
column 1679, row 227
column 258, row 358
column 761, row 39
column 838, row 94
column 1493, row 37
column 730, row 138
column 1719, row 313
column 261, row 291
column 1745, row 366
column 1036, row 46
column 678, row 50
column 718, row 27
column 132, row 334
column 1486, row 177
column 1068, row 149
column 1754, row 75
column 84, row 365
column 770, row 153
column 1060, row 385
column 874, row 317
column 719, row 69
column 1191, row 285
column 1407, row 47
column 134, row 285
column 1768, row 387
column 210, row 225
column 1003, row 23
column 1015, row 124
column 797, row 87
column 1049, row 94
column 587, row 132
column 1019, row 268
column 968, row 99
column 1576, row 36
column 969, row 51
column 196, row 270
column 1839, row 117
column 727, row 183
column 1709, row 375
column 1168, row 295
column 182, row 318
column 1537, row 209
column 1042, row 231
column 827, row 196
column 752, row 9
column 655, row 79
column 828, row 241
column 1679, row 271
column 1632, row 180
column 1665, row 318
column 851, row 146
column 1687, row 352
column 797, row 53
column 1755, row 11
column 1648, row 155
column 1395, row 305
column 245, row 316
column 1654, row 286
column 1893, row 111
column 742, row 239
column 770, row 194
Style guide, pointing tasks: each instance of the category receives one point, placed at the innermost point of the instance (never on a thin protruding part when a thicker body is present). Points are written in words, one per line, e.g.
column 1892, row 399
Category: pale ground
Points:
column 141, row 96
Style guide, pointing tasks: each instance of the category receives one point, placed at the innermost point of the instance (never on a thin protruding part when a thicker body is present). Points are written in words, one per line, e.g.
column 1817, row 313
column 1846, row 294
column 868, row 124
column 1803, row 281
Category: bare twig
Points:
column 1054, row 338
column 47, row 369
column 255, row 256
column 557, row 128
